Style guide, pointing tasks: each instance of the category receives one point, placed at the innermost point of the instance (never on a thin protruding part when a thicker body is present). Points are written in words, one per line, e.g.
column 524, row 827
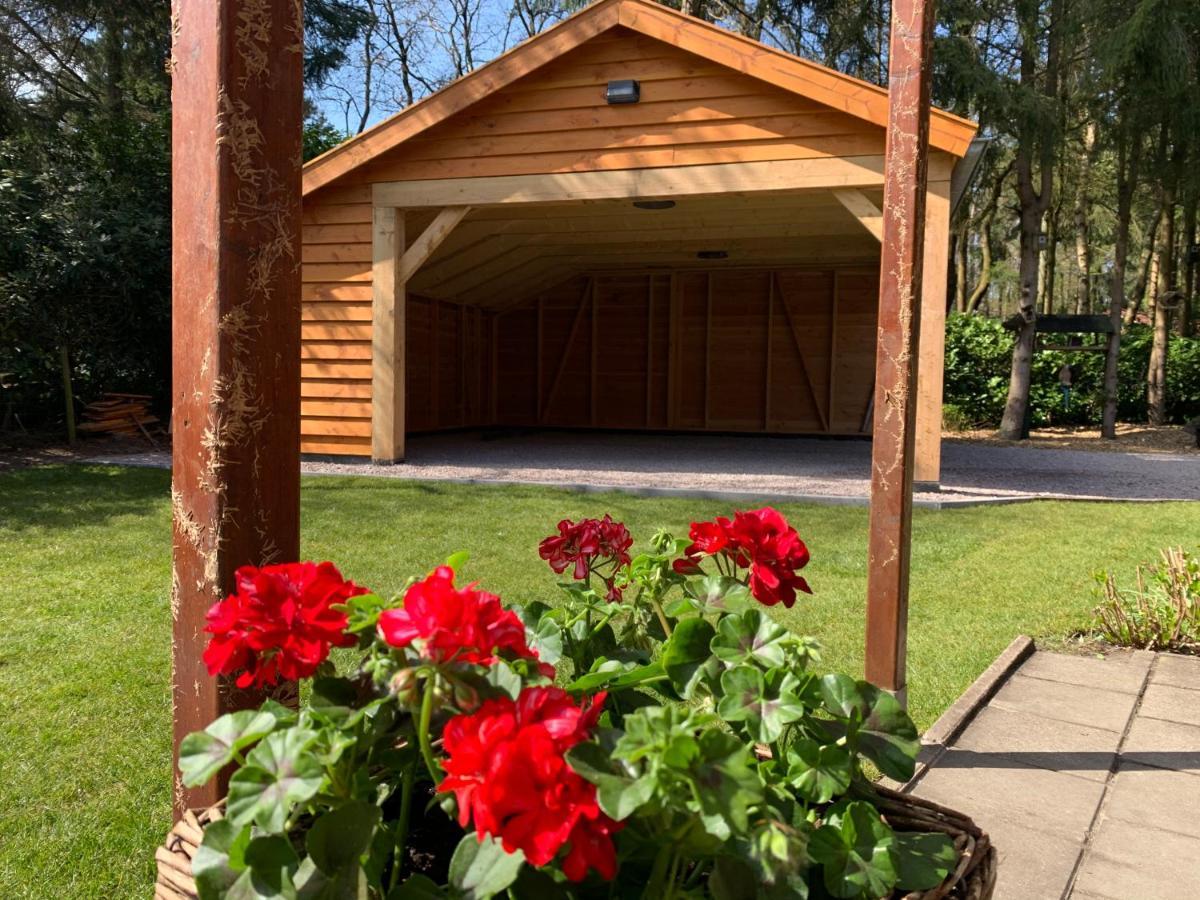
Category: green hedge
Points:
column 979, row 358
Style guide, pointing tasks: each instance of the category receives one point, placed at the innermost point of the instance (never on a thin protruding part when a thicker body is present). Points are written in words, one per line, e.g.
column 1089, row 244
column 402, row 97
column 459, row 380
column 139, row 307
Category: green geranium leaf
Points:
column 615, row 674
column 620, row 798
column 732, row 879
column 842, row 696
column 719, row 593
column 362, row 612
column 685, row 652
column 339, row 838
column 456, row 561
column 279, row 773
column 746, row 698
column 819, row 773
column 202, row 754
column 417, row 887
column 727, row 783
column 482, row 869
column 545, row 637
column 923, row 860
column 887, row 735
column 752, row 637
column 854, row 849
column 780, row 851
column 272, row 863
column 221, row 859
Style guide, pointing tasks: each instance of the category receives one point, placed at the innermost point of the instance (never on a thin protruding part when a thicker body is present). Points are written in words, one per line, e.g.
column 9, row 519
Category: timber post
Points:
column 236, row 157
column 892, row 454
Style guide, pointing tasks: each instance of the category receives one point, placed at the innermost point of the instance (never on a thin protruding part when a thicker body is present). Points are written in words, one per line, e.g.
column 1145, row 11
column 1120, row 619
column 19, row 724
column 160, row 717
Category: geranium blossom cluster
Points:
column 444, row 623
column 505, row 764
column 586, row 547
column 279, row 623
column 760, row 540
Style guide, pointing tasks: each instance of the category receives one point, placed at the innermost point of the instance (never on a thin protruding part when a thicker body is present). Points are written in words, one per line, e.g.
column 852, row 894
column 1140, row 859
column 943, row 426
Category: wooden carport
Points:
column 479, row 259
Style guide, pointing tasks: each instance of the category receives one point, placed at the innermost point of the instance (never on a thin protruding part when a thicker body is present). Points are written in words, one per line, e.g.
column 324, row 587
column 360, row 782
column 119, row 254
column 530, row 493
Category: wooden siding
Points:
column 692, row 111
column 778, row 350
column 449, row 368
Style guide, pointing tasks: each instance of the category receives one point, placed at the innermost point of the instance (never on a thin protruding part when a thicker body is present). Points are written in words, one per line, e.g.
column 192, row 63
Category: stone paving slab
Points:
column 1007, row 734
column 1060, row 702
column 1086, row 773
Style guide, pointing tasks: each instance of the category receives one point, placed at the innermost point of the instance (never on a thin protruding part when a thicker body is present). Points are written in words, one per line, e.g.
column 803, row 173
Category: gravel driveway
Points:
column 762, row 468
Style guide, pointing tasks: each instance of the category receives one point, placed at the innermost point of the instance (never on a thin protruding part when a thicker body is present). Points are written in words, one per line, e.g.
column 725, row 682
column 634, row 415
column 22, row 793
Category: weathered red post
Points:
column 236, row 153
column 899, row 328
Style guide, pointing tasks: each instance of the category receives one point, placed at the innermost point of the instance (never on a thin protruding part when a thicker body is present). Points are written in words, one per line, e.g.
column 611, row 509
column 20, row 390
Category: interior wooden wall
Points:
column 782, row 350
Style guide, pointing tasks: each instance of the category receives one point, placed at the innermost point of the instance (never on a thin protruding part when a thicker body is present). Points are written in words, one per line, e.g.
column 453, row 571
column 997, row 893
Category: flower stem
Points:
column 406, row 794
column 662, row 617
column 435, row 771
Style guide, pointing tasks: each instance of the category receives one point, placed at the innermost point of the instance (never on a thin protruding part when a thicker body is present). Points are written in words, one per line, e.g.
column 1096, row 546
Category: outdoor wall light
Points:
column 654, row 204
column 627, row 91
column 713, row 254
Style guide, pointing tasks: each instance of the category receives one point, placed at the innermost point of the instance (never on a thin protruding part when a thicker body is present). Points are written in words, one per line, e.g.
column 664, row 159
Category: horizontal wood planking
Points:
column 720, row 116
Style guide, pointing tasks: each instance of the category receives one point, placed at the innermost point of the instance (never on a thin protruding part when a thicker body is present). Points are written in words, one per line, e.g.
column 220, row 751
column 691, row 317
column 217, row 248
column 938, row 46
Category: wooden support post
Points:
column 235, row 490
column 707, row 344
column 388, row 326
column 649, row 343
column 905, row 170
column 767, row 352
column 927, row 471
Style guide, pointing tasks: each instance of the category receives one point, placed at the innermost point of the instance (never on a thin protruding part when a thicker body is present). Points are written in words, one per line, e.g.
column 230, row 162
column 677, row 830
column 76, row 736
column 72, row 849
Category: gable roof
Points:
column 745, row 55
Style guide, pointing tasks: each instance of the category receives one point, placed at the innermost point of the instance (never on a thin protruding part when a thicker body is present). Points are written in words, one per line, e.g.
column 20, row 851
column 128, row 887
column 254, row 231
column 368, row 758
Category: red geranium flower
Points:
column 505, row 764
column 279, row 623
column 586, row 545
column 760, row 540
column 447, row 623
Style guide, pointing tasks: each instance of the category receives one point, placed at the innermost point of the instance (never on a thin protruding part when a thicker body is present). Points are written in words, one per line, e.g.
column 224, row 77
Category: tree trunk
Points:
column 1188, row 300
column 1145, row 267
column 1049, row 262
column 1034, row 203
column 1164, row 302
column 64, row 358
column 959, row 270
column 1128, row 158
column 1083, row 247
column 982, row 283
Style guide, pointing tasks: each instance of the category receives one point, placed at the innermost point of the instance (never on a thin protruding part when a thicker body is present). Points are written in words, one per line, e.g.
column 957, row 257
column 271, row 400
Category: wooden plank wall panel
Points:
column 739, row 350
column 335, row 310
column 691, row 112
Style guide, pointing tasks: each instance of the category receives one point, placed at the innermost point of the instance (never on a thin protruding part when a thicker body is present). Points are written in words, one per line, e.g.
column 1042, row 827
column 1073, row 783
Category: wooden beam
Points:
column 235, row 471
column 388, row 325
column 860, row 206
column 927, row 473
column 428, row 242
column 890, row 536
column 624, row 184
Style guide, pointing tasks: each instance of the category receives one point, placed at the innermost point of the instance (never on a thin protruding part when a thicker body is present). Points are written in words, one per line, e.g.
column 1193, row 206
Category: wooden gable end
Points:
column 692, row 111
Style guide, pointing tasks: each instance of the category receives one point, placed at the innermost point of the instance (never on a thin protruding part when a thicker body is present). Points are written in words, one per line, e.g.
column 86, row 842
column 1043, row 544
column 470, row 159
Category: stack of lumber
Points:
column 124, row 414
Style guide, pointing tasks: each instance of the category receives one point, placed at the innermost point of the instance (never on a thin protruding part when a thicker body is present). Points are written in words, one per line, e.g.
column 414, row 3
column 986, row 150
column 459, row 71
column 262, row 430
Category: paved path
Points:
column 763, row 468
column 1086, row 774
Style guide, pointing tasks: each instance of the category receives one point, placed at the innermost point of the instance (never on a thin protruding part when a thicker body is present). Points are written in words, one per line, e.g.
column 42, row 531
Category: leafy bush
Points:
column 1161, row 611
column 694, row 751
column 979, row 359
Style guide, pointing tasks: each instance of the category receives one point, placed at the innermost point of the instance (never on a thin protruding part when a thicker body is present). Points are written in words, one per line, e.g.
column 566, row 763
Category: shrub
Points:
column 693, row 752
column 1160, row 612
column 979, row 358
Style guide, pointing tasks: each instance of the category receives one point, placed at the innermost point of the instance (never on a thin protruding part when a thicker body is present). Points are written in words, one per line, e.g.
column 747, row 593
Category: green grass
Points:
column 84, row 645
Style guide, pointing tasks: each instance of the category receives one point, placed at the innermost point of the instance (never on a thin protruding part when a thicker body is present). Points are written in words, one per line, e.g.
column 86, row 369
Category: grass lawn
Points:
column 85, row 647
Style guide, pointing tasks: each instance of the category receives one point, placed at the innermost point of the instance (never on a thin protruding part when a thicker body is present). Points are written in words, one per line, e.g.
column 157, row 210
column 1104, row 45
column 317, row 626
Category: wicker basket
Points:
column 975, row 876
column 974, row 879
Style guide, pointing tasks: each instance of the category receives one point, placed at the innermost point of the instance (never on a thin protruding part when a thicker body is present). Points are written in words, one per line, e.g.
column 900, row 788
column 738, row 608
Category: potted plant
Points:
column 656, row 734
